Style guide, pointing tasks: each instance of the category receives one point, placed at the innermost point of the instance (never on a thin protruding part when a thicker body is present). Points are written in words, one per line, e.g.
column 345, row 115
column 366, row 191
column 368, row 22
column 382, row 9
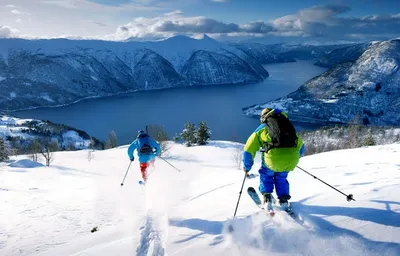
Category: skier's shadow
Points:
column 316, row 215
column 204, row 226
column 383, row 217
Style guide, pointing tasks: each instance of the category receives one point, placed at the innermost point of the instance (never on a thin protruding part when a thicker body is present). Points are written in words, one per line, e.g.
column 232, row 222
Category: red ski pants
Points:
column 143, row 168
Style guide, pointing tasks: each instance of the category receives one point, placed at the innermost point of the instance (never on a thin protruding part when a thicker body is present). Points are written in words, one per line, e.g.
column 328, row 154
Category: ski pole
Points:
column 349, row 197
column 122, row 183
column 240, row 193
column 170, row 164
column 237, row 204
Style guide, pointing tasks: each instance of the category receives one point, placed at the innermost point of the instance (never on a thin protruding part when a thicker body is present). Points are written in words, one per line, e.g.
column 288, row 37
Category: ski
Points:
column 256, row 199
column 269, row 209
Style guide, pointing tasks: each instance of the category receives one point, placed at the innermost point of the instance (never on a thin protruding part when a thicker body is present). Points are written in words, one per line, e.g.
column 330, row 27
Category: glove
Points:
column 247, row 172
column 132, row 159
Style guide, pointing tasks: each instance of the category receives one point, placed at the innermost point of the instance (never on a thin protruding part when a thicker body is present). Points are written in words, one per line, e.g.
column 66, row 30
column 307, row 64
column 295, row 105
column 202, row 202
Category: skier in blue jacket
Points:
column 147, row 150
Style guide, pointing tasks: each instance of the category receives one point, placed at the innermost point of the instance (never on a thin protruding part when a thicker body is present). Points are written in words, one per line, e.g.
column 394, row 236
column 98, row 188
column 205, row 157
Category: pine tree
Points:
column 203, row 134
column 189, row 134
column 3, row 150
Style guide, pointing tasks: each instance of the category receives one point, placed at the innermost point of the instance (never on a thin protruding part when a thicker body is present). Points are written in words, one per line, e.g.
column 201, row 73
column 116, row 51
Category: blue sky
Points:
column 220, row 19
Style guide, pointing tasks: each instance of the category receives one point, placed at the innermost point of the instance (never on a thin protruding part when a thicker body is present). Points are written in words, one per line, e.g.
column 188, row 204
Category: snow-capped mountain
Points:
column 341, row 55
column 205, row 68
column 37, row 73
column 48, row 211
column 154, row 72
column 368, row 88
column 263, row 53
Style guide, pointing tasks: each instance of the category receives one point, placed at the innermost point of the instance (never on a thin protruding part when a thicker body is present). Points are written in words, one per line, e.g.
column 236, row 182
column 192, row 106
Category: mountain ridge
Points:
column 363, row 91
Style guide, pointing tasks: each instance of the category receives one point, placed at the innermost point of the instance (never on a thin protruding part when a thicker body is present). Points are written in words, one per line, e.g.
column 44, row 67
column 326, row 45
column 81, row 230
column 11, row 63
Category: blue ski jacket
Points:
column 136, row 144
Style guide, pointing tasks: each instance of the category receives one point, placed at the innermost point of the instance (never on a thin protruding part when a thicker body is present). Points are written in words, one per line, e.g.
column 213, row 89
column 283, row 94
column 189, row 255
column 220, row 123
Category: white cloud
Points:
column 324, row 21
column 7, row 32
column 15, row 11
column 318, row 21
column 88, row 19
column 11, row 6
column 176, row 23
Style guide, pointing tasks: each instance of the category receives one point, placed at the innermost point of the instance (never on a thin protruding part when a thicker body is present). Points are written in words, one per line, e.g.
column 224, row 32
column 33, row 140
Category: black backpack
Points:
column 144, row 147
column 282, row 132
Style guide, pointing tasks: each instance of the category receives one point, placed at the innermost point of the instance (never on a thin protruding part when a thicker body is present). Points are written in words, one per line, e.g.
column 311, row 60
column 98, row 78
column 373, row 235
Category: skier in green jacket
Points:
column 282, row 148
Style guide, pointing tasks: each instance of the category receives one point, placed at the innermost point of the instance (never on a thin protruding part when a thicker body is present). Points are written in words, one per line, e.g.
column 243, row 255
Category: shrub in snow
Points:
column 176, row 138
column 49, row 146
column 33, row 149
column 237, row 154
column 112, row 141
column 158, row 133
column 369, row 141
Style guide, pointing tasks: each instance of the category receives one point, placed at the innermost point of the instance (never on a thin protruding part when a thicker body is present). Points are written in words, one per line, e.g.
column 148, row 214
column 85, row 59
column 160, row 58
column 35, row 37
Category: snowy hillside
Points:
column 36, row 73
column 368, row 87
column 263, row 53
column 21, row 132
column 341, row 55
column 288, row 51
column 52, row 210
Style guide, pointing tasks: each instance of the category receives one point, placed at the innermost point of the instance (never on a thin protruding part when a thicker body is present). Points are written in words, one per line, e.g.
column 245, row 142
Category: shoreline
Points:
column 126, row 92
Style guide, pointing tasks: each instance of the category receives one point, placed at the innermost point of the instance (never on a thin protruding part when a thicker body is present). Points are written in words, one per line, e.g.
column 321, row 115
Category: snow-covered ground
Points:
column 52, row 210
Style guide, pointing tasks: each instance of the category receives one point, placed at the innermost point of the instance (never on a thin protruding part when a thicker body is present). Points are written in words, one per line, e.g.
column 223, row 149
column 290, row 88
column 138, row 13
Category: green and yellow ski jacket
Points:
column 276, row 159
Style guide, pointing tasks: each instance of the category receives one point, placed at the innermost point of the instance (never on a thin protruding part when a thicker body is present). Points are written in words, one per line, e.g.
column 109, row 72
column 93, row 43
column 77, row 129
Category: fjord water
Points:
column 220, row 106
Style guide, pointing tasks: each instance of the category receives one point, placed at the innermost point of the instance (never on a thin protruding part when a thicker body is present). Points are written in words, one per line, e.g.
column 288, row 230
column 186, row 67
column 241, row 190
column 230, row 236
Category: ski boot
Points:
column 268, row 200
column 284, row 203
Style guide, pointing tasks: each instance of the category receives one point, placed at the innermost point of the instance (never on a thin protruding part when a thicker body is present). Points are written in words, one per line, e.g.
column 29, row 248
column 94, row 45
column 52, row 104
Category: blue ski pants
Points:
column 269, row 178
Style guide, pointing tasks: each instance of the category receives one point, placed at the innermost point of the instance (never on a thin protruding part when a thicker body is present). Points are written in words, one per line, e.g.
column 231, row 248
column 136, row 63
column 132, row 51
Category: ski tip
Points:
column 251, row 189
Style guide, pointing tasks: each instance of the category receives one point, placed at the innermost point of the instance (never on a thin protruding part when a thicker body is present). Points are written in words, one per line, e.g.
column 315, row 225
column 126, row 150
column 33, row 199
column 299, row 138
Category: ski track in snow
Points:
column 152, row 238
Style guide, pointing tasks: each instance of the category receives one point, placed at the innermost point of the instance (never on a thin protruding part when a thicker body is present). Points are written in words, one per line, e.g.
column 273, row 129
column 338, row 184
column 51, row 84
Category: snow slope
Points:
column 51, row 210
